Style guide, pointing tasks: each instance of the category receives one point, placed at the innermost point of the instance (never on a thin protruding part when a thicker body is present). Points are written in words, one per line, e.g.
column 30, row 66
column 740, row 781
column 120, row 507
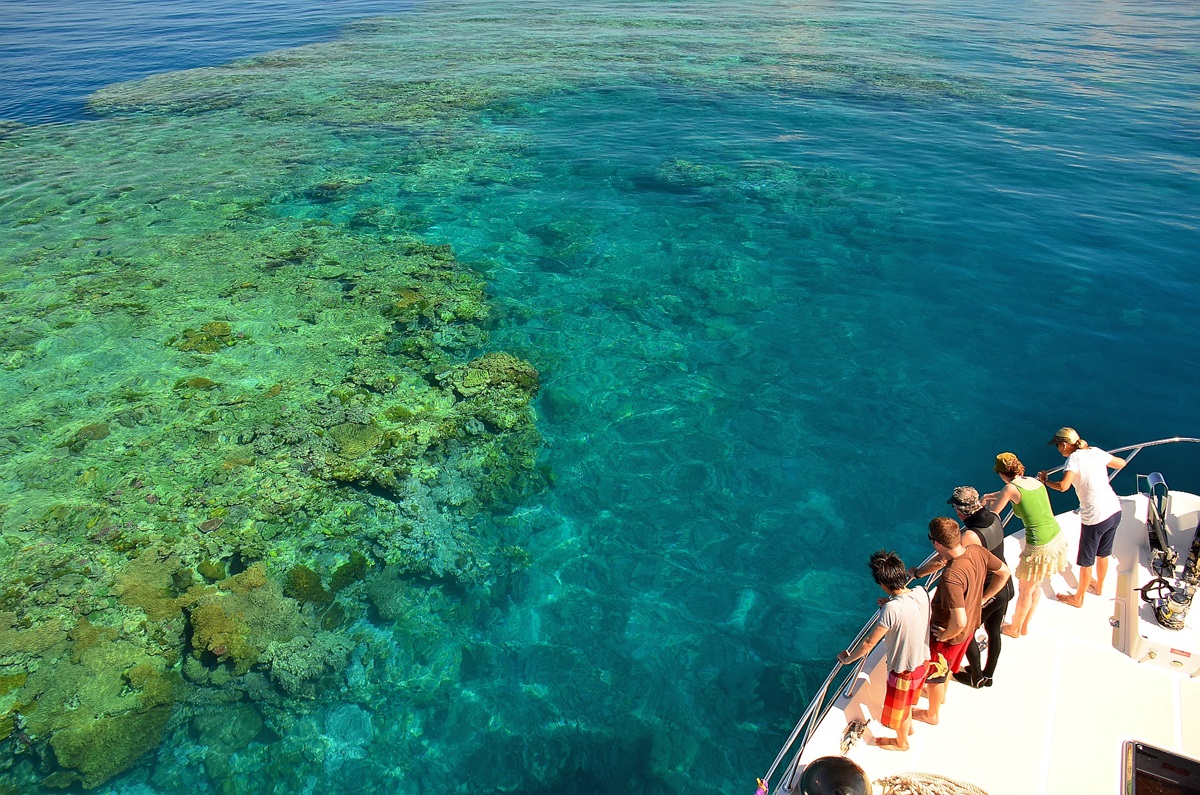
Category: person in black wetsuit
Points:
column 981, row 526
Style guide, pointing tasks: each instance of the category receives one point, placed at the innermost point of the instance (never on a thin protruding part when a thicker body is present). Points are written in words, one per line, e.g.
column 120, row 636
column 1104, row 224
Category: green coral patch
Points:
column 11, row 682
column 209, row 338
column 304, row 585
column 354, row 440
column 98, row 751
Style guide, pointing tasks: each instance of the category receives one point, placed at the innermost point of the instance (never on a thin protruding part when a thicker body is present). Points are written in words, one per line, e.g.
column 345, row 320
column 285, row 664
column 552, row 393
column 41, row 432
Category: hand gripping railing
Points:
column 821, row 703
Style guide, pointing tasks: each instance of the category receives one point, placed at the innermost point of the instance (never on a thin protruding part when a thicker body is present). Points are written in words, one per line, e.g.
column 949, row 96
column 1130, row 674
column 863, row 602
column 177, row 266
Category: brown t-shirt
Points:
column 962, row 586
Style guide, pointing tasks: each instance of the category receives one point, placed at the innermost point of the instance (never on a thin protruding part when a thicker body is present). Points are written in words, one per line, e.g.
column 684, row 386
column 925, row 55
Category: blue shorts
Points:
column 1096, row 540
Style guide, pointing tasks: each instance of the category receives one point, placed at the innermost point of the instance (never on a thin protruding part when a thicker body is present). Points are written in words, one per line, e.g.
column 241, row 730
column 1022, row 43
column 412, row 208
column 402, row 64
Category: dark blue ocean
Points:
column 788, row 272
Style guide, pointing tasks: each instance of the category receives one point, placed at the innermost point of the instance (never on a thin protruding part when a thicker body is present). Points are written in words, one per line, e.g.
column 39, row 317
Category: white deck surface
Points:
column 1064, row 699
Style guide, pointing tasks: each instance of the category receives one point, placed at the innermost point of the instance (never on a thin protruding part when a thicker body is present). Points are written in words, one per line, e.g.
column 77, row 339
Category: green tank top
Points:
column 1038, row 517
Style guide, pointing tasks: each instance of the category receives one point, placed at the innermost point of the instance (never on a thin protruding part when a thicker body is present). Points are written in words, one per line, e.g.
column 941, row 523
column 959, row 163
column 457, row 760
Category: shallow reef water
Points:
column 505, row 397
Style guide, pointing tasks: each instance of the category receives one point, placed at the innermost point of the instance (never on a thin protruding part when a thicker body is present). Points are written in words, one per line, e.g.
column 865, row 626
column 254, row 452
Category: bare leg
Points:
column 1024, row 606
column 904, row 731
column 1076, row 599
column 1101, row 573
column 900, row 743
column 936, row 694
column 1036, row 589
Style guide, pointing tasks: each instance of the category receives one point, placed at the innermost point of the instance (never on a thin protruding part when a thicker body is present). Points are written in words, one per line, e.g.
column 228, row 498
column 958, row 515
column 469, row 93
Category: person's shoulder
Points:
column 957, row 568
column 1087, row 457
column 981, row 519
column 978, row 552
column 915, row 597
column 890, row 613
column 974, row 558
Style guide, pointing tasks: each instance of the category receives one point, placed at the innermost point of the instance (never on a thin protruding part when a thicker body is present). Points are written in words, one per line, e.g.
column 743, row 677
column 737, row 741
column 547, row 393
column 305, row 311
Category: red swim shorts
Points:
column 903, row 689
column 950, row 661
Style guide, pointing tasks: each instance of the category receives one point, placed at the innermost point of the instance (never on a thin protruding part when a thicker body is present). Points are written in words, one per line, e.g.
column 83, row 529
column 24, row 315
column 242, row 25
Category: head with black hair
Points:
column 888, row 570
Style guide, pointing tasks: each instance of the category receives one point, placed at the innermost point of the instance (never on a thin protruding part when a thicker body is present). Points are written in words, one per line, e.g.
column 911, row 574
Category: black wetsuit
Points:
column 987, row 526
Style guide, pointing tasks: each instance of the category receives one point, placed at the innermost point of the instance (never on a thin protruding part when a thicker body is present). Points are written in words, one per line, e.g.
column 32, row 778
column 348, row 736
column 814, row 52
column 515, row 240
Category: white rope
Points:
column 925, row 784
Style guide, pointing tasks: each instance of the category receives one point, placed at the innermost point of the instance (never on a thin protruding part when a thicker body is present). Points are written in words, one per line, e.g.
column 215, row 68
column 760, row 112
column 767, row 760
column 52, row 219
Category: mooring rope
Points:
column 925, row 784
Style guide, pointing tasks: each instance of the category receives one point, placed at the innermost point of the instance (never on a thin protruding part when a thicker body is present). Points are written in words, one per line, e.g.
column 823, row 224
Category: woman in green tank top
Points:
column 1045, row 551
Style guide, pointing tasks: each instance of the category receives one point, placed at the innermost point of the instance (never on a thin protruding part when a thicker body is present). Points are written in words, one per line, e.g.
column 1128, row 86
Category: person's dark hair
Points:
column 888, row 570
column 945, row 531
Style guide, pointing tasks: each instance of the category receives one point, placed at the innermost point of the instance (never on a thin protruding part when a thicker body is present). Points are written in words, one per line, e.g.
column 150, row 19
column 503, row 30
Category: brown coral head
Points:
column 211, row 525
column 219, row 650
column 217, row 328
column 93, row 432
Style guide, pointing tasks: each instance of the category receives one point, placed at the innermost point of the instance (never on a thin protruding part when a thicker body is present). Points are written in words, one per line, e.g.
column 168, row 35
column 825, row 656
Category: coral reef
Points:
column 209, row 338
column 270, row 412
column 99, row 701
column 295, row 665
column 261, row 428
column 237, row 623
column 304, row 585
column 174, row 519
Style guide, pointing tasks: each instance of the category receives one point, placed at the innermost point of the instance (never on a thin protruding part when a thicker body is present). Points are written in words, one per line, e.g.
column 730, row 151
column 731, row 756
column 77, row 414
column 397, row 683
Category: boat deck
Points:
column 1065, row 698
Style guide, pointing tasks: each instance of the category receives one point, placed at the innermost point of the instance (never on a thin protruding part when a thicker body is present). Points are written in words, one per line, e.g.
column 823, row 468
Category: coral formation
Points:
column 99, row 701
column 241, row 619
column 350, row 572
column 295, row 664
column 209, row 338
column 211, row 570
column 95, row 752
column 304, row 585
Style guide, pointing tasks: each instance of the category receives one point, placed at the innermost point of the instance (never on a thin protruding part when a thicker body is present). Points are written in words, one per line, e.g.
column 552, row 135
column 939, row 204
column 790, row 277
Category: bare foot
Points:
column 890, row 744
column 1096, row 588
column 1072, row 599
column 924, row 716
column 1010, row 631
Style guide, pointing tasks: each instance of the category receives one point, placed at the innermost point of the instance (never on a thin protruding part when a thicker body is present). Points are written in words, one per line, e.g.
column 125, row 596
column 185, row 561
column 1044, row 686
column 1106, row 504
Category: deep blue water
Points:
column 53, row 54
column 777, row 322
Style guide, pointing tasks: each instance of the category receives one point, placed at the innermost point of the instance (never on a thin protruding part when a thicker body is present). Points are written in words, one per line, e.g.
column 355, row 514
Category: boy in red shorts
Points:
column 957, row 605
column 904, row 621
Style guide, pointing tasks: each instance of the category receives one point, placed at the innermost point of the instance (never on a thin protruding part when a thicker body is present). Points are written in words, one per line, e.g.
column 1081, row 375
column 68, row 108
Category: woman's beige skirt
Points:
column 1038, row 563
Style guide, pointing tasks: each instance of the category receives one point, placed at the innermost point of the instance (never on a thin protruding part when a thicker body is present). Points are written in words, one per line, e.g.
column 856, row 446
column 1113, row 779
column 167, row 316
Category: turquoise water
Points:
column 788, row 275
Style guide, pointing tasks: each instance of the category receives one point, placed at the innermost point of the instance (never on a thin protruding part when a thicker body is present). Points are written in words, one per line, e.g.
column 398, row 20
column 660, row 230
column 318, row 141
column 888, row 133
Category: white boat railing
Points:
column 846, row 676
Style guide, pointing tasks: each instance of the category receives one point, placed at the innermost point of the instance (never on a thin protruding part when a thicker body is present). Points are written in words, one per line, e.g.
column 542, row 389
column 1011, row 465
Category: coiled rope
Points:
column 925, row 784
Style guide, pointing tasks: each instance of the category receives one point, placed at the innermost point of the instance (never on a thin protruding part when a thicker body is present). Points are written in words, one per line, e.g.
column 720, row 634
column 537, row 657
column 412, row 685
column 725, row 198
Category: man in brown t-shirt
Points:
column 956, row 606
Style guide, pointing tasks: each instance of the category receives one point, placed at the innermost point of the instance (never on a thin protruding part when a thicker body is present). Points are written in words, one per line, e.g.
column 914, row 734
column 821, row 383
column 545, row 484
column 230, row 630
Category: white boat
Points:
column 1096, row 700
